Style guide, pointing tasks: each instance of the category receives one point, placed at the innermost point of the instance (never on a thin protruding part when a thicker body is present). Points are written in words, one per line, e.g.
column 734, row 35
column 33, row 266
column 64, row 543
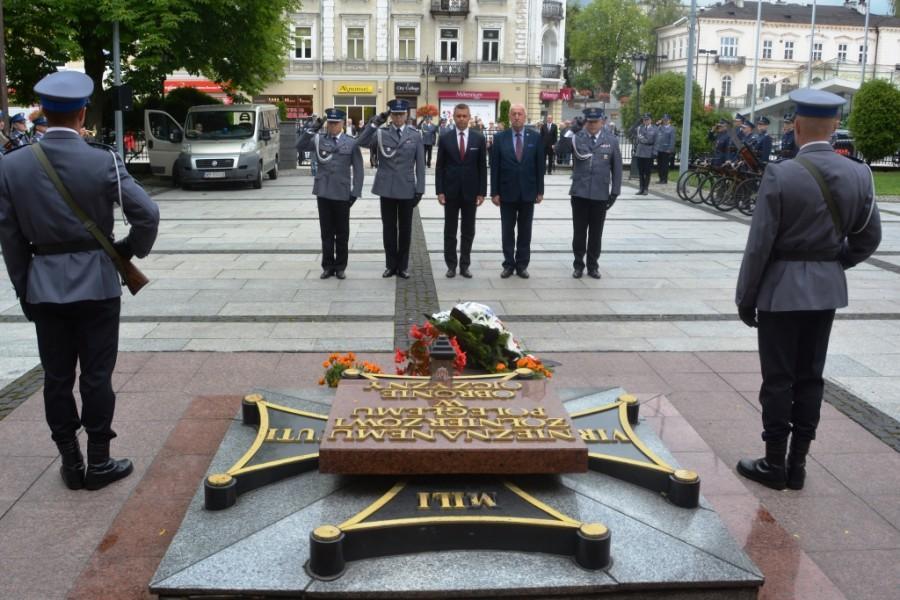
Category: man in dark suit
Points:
column 517, row 184
column 549, row 137
column 460, row 181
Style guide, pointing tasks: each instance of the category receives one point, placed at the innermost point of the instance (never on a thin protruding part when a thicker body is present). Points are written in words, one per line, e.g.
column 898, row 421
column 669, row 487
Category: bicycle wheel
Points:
column 722, row 196
column 682, row 180
column 705, row 188
column 746, row 195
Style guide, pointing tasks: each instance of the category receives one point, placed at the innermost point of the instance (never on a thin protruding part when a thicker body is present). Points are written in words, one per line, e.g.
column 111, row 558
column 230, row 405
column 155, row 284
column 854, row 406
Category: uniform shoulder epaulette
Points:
column 14, row 148
column 101, row 146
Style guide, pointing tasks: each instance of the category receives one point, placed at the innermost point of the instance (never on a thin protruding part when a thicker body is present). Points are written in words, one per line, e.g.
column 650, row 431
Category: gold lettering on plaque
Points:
column 455, row 500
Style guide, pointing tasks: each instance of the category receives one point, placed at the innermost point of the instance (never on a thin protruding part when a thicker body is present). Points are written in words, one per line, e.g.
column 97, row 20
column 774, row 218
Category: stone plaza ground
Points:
column 235, row 304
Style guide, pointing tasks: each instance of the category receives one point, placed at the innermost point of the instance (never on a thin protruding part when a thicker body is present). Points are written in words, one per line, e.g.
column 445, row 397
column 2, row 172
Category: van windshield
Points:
column 220, row 125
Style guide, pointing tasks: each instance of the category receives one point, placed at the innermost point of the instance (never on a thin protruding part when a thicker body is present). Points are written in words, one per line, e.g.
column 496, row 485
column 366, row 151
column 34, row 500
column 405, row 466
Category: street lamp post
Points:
column 706, row 68
column 638, row 63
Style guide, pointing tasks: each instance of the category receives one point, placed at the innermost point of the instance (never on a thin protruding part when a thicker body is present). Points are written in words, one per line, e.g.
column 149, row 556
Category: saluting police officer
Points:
column 815, row 217
column 788, row 145
column 19, row 133
column 763, row 141
column 645, row 140
column 399, row 181
column 338, row 184
column 664, row 148
column 40, row 128
column 596, row 183
column 65, row 281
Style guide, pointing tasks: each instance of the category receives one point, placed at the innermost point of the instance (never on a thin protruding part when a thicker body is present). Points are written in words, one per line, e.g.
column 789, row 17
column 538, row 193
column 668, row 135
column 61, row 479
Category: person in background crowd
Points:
column 549, row 137
column 763, row 141
column 665, row 148
column 40, row 128
column 788, row 145
column 721, row 141
column 19, row 133
column 645, row 141
column 429, row 137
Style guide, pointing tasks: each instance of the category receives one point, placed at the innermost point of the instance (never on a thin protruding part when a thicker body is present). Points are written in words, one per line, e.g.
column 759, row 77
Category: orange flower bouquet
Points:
column 417, row 360
column 336, row 364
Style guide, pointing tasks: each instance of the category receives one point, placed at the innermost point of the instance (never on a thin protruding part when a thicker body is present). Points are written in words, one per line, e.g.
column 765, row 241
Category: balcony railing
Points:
column 552, row 10
column 450, row 71
column 551, row 71
column 450, row 8
column 731, row 61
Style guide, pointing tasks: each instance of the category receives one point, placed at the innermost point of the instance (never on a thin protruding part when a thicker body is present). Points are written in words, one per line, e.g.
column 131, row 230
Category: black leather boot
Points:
column 103, row 470
column 796, row 463
column 72, row 467
column 768, row 471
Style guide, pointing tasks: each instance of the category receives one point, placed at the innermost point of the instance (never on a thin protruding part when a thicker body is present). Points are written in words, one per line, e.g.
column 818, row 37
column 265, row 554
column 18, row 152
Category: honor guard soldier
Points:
column 815, row 217
column 19, row 133
column 748, row 136
column 65, row 280
column 645, row 140
column 665, row 148
column 399, row 181
column 721, row 140
column 763, row 141
column 596, row 183
column 788, row 145
column 40, row 128
column 429, row 137
column 338, row 184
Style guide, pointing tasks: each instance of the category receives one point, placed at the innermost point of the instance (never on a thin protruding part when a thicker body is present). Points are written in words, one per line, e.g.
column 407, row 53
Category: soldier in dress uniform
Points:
column 429, row 137
column 763, row 141
column 399, row 181
column 65, row 281
column 338, row 184
column 748, row 136
column 665, row 148
column 40, row 128
column 645, row 140
column 19, row 133
column 815, row 217
column 788, row 145
column 596, row 183
column 721, row 140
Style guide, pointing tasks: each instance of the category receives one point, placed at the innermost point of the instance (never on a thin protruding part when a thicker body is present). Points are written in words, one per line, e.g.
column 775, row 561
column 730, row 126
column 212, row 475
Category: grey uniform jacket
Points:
column 646, row 140
column 32, row 211
column 340, row 170
column 600, row 174
column 429, row 134
column 665, row 139
column 401, row 161
column 791, row 215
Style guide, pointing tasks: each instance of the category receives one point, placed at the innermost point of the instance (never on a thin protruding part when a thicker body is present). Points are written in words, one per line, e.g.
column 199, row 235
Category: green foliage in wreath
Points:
column 485, row 347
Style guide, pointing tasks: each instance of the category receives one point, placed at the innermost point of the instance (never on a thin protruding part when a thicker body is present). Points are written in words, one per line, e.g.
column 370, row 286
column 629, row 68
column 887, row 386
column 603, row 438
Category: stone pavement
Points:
column 236, row 270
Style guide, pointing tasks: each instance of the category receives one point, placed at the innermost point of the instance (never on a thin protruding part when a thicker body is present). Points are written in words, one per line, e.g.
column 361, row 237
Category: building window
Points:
column 767, row 49
column 490, row 45
column 303, row 43
column 728, row 46
column 842, row 52
column 726, row 86
column 406, row 37
column 789, row 51
column 817, row 51
column 356, row 43
column 681, row 48
column 449, row 45
column 861, row 51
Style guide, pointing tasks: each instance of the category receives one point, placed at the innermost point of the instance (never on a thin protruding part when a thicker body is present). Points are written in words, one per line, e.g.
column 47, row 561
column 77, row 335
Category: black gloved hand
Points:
column 416, row 200
column 381, row 118
column 123, row 247
column 611, row 201
column 352, row 199
column 748, row 315
column 577, row 125
column 26, row 309
column 317, row 124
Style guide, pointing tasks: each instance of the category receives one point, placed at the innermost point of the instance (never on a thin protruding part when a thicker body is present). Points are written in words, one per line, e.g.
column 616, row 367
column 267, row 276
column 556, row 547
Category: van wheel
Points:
column 257, row 183
column 273, row 174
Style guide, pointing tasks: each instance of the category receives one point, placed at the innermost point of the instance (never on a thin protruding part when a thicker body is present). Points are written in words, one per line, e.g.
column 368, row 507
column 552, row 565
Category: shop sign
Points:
column 464, row 95
column 549, row 96
column 204, row 85
column 355, row 88
column 565, row 94
column 407, row 88
column 298, row 106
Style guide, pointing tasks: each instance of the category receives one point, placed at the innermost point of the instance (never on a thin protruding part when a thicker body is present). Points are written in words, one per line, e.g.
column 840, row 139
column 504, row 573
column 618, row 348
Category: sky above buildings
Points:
column 879, row 7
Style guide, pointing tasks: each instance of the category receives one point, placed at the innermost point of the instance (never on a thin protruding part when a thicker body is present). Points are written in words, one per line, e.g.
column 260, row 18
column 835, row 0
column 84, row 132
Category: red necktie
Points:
column 519, row 146
column 462, row 146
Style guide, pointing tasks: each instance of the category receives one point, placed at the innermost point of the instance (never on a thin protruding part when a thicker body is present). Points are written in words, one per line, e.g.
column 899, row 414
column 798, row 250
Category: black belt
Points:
column 805, row 255
column 66, row 247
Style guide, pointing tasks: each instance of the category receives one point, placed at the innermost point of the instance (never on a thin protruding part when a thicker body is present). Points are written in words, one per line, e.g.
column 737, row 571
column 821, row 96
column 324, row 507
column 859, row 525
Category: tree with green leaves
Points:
column 873, row 120
column 712, row 97
column 241, row 44
column 601, row 37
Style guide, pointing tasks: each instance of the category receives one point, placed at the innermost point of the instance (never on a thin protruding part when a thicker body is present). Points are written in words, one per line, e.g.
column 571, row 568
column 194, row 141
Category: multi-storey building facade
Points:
column 358, row 54
column 726, row 44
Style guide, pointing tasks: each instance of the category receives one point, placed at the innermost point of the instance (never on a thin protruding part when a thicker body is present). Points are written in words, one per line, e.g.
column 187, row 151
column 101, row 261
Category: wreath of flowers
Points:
column 417, row 360
column 336, row 364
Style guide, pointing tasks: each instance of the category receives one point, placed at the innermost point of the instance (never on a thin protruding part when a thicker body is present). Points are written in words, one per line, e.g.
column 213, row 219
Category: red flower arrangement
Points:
column 417, row 360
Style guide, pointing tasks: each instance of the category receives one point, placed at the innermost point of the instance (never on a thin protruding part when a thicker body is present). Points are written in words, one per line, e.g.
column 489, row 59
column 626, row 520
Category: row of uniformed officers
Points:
column 755, row 136
column 461, row 182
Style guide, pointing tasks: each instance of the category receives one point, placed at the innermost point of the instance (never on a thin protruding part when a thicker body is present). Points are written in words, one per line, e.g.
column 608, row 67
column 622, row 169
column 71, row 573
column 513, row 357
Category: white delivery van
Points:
column 219, row 142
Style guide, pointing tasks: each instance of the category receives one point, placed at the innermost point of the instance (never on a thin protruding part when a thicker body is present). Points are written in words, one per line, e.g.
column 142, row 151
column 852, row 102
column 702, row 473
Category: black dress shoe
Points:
column 72, row 467
column 451, row 273
column 326, row 274
column 507, row 273
column 389, row 273
column 465, row 272
column 403, row 274
column 594, row 273
column 340, row 274
column 760, row 471
column 577, row 273
column 523, row 273
column 101, row 475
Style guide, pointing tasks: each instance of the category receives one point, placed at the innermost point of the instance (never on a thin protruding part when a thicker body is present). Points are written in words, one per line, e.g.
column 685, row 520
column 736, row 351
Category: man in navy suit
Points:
column 517, row 184
column 460, row 181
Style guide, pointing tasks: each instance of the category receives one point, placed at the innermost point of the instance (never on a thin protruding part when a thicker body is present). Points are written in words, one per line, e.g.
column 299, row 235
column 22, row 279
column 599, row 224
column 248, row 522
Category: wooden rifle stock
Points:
column 132, row 276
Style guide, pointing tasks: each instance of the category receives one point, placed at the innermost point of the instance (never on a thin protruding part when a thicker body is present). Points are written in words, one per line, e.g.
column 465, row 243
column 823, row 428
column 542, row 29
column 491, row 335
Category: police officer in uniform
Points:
column 65, row 281
column 596, row 183
column 748, row 136
column 721, row 141
column 763, row 141
column 399, row 181
column 40, row 128
column 788, row 145
column 645, row 140
column 338, row 183
column 665, row 148
column 815, row 217
column 19, row 133
column 429, row 136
